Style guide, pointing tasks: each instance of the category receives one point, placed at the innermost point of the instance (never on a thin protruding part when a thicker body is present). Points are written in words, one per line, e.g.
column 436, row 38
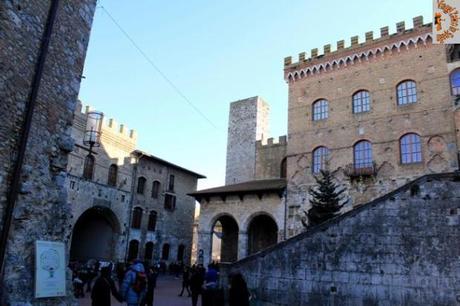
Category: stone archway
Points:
column 262, row 233
column 224, row 239
column 95, row 235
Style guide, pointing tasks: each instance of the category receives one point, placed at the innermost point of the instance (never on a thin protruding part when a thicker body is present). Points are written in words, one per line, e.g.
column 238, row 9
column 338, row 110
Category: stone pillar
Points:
column 242, row 245
column 204, row 247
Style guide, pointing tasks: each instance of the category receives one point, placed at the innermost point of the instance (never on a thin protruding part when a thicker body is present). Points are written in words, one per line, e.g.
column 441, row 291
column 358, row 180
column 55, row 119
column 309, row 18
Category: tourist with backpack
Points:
column 134, row 286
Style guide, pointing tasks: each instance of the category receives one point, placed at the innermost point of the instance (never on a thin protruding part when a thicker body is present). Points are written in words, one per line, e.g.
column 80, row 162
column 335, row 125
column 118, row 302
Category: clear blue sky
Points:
column 215, row 52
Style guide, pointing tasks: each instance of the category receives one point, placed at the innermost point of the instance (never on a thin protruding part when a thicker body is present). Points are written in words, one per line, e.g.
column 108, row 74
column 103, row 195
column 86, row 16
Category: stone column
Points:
column 242, row 245
column 204, row 247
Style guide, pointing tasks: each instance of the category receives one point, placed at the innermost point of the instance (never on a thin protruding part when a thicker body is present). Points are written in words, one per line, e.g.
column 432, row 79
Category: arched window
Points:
column 152, row 221
column 165, row 252
column 320, row 110
column 155, row 189
column 133, row 249
column 455, row 82
column 180, row 252
column 137, row 218
column 411, row 149
column 283, row 170
column 88, row 168
column 362, row 152
column 113, row 172
column 148, row 251
column 320, row 157
column 407, row 92
column 141, row 185
column 361, row 102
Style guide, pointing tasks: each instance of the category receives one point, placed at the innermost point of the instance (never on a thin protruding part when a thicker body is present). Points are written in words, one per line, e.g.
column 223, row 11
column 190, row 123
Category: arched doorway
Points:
column 224, row 243
column 88, row 245
column 148, row 251
column 262, row 233
column 133, row 250
column 180, row 252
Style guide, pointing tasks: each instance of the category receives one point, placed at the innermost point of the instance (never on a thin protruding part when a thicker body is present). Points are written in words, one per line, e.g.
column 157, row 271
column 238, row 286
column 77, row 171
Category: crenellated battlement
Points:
column 270, row 142
column 108, row 124
column 357, row 52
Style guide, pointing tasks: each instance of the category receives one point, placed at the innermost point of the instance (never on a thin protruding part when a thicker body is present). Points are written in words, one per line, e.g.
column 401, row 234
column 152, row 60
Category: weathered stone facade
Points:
column 42, row 211
column 377, row 66
column 97, row 198
column 400, row 249
column 173, row 221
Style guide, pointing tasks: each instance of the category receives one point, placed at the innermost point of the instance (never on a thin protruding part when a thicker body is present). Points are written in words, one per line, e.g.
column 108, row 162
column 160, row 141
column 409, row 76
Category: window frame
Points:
column 322, row 111
column 411, row 154
column 323, row 159
column 364, row 101
column 113, row 175
column 364, row 162
column 141, row 187
column 171, row 182
column 152, row 224
column 88, row 167
column 155, row 189
column 136, row 219
column 400, row 98
column 452, row 91
column 170, row 202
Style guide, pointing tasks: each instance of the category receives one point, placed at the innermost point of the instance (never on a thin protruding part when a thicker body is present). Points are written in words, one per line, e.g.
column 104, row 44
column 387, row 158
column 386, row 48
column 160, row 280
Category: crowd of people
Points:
column 137, row 282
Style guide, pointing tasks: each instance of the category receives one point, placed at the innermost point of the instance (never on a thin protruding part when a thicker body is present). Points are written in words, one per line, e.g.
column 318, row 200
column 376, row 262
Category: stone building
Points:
column 137, row 203
column 163, row 213
column 42, row 51
column 377, row 114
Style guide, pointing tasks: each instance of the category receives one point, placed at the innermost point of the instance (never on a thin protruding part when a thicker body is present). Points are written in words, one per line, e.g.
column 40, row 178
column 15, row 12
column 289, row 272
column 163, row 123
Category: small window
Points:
column 113, row 172
column 180, row 253
column 171, row 183
column 407, row 92
column 152, row 221
column 361, row 102
column 455, row 82
column 155, row 189
column 165, row 252
column 320, row 110
column 283, row 170
column 363, row 155
column 411, row 149
column 137, row 218
column 170, row 202
column 88, row 168
column 141, row 185
column 320, row 157
column 148, row 251
column 133, row 249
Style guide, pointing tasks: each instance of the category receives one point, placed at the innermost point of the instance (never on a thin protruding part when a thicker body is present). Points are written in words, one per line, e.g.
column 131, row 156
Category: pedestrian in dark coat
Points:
column 185, row 281
column 103, row 288
column 238, row 294
column 196, row 283
column 151, row 284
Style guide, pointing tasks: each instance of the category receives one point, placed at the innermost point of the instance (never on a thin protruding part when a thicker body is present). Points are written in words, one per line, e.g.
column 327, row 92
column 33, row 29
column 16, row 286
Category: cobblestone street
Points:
column 165, row 294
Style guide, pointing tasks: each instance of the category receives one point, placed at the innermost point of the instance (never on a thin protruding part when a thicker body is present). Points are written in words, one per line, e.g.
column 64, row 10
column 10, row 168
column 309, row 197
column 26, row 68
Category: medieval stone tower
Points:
column 248, row 123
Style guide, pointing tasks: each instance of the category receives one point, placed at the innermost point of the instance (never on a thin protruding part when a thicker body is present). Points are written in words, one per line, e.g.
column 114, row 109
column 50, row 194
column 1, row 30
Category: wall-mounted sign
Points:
column 446, row 28
column 50, row 267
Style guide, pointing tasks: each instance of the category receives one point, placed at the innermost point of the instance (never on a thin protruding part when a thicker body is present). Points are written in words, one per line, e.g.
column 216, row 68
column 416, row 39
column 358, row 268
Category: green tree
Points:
column 327, row 200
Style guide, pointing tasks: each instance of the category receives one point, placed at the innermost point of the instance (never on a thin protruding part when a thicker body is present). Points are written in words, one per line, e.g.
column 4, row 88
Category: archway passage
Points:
column 262, row 233
column 225, row 239
column 95, row 235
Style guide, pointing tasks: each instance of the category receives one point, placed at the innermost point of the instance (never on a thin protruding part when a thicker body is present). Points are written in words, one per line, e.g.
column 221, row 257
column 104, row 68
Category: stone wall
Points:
column 269, row 157
column 401, row 249
column 378, row 66
column 42, row 211
column 173, row 227
column 248, row 122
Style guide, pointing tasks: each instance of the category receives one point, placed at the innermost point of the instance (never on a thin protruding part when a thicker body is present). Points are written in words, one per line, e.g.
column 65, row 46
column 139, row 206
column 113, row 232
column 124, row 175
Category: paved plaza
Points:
column 165, row 294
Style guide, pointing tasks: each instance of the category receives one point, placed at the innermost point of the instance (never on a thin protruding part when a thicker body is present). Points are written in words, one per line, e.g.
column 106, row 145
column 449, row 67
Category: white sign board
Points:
column 50, row 267
column 446, row 29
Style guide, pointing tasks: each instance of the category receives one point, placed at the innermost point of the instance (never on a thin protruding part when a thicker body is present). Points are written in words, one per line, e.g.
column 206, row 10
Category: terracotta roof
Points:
column 250, row 187
column 141, row 154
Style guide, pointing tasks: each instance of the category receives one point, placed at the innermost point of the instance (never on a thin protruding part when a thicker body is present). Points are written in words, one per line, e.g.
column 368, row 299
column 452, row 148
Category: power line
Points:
column 157, row 69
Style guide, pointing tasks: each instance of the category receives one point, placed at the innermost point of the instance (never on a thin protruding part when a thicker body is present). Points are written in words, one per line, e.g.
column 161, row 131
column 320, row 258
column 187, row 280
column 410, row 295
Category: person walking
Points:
column 196, row 283
column 185, row 281
column 103, row 288
column 151, row 284
column 238, row 294
column 134, row 286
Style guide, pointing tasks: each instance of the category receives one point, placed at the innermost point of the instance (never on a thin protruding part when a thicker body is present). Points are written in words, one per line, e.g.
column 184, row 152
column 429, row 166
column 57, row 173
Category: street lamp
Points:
column 92, row 136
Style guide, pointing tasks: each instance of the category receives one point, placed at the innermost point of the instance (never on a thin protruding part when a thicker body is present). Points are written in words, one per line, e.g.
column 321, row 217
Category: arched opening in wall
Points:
column 224, row 243
column 181, row 253
column 148, row 251
column 283, row 168
column 85, row 244
column 165, row 252
column 133, row 250
column 262, row 233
